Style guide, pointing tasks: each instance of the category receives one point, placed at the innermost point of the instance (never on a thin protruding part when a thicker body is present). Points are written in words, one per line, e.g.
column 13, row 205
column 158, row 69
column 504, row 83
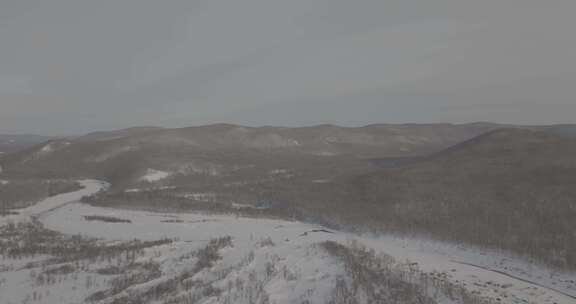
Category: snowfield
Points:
column 155, row 175
column 296, row 241
column 278, row 259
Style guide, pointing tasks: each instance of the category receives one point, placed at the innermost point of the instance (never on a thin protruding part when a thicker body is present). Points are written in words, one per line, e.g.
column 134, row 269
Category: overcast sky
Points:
column 73, row 66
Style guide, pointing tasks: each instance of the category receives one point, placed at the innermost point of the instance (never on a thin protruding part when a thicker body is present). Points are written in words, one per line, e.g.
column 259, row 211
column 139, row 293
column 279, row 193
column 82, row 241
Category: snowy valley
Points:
column 109, row 255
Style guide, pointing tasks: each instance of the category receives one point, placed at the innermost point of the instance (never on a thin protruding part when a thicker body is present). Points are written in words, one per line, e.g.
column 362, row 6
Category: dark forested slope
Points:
column 509, row 189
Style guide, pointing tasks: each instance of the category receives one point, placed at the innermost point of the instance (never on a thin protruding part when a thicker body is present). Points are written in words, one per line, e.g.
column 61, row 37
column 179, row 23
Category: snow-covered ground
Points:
column 136, row 190
column 497, row 275
column 47, row 149
column 494, row 275
column 281, row 258
column 155, row 175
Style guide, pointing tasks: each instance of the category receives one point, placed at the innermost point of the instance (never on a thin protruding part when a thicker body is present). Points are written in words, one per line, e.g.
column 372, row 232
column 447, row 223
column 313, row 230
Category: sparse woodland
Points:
column 381, row 279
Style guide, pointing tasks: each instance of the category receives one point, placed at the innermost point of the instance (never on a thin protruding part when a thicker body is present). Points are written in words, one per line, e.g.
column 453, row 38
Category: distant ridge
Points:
column 11, row 143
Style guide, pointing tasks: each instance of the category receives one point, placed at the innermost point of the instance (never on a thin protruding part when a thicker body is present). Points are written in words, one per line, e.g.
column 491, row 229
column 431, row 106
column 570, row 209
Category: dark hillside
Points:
column 509, row 189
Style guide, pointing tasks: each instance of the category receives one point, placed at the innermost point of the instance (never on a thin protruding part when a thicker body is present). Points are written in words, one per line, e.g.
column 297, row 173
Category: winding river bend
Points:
column 89, row 187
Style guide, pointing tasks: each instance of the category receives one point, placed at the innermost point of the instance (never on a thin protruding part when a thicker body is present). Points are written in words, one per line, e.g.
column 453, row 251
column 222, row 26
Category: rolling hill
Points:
column 508, row 189
column 121, row 156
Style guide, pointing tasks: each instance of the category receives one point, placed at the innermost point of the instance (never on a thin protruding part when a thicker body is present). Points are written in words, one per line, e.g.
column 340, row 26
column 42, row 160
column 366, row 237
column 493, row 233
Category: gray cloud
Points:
column 71, row 66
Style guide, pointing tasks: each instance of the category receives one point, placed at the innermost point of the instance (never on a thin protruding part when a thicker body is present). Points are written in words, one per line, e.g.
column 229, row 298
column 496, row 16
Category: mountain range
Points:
column 499, row 186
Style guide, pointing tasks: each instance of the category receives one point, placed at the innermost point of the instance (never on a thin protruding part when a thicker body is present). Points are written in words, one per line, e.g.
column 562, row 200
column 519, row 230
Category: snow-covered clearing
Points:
column 201, row 196
column 276, row 258
column 47, row 149
column 155, row 175
column 136, row 190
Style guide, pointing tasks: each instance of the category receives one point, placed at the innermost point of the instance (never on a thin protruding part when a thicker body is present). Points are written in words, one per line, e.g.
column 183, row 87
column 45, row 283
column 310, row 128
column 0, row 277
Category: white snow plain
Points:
column 492, row 274
column 155, row 175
